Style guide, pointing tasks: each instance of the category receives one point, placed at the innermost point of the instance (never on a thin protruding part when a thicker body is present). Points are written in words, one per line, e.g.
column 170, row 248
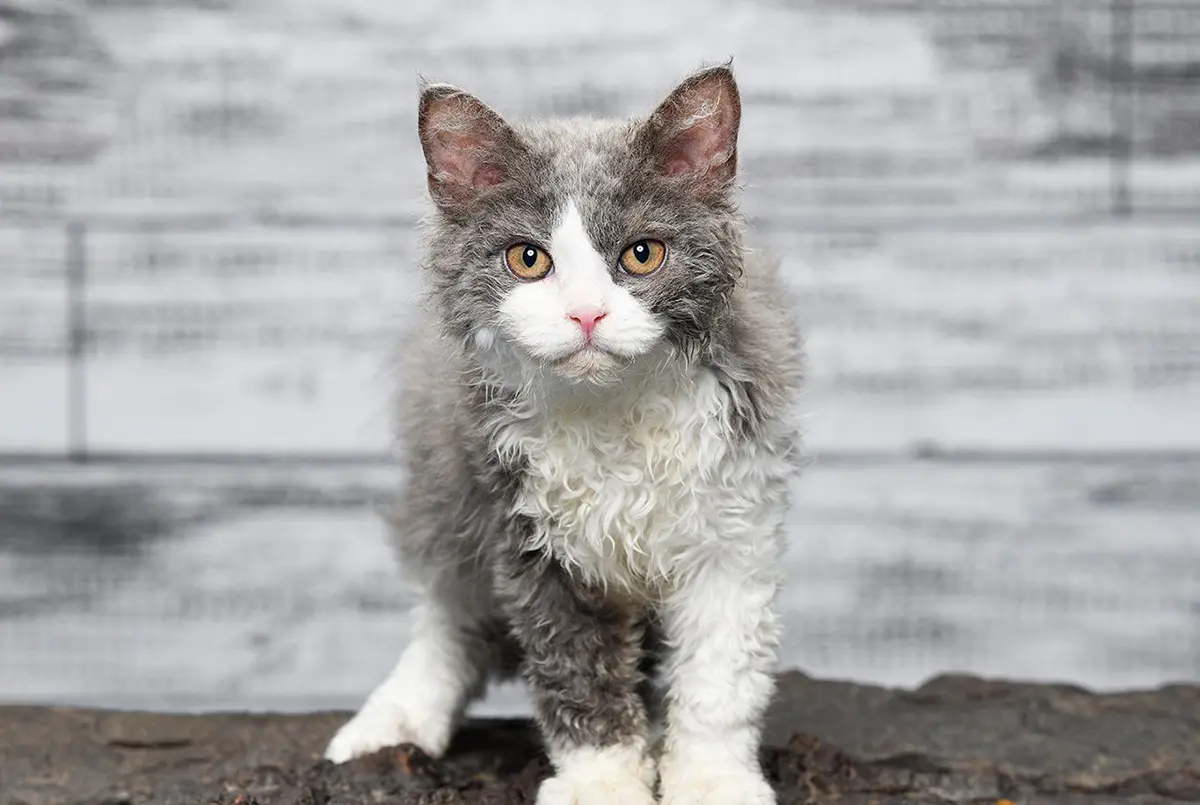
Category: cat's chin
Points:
column 590, row 365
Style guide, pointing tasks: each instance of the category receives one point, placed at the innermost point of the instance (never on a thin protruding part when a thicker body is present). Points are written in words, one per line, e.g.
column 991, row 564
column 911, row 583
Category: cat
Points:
column 600, row 443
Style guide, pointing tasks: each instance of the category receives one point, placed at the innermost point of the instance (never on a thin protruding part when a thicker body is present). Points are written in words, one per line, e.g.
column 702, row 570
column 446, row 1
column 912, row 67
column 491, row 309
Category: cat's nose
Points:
column 587, row 319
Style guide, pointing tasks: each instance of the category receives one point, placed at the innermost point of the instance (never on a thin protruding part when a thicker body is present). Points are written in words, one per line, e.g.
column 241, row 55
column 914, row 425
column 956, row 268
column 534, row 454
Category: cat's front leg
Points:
column 724, row 636
column 581, row 656
column 444, row 666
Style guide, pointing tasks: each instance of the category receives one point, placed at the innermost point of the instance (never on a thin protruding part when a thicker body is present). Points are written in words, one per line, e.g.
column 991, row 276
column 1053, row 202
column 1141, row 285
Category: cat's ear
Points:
column 467, row 146
column 692, row 135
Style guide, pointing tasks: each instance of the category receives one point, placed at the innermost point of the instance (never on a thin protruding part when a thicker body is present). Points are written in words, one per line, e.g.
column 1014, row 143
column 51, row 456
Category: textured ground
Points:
column 955, row 740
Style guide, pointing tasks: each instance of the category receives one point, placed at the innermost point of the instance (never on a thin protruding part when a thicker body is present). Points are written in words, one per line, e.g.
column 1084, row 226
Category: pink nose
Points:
column 587, row 320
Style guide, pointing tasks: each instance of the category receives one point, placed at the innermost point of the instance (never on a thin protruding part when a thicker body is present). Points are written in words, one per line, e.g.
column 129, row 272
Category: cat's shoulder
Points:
column 764, row 311
column 762, row 282
column 760, row 353
column 433, row 380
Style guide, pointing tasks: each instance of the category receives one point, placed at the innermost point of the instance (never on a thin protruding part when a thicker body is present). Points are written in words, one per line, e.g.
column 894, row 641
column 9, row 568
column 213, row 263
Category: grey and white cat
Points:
column 599, row 444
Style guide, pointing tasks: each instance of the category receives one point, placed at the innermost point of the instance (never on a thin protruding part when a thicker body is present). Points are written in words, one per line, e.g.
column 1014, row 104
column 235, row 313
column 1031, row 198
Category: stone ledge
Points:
column 954, row 740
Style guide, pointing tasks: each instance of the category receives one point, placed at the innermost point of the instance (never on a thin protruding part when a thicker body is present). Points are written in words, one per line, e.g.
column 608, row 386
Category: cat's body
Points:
column 596, row 452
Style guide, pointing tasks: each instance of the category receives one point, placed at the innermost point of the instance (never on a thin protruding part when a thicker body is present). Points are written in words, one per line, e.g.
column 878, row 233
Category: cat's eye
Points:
column 643, row 257
column 528, row 261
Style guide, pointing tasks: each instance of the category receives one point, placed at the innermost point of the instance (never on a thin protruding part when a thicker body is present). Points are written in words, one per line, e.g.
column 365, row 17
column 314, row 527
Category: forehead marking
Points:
column 578, row 268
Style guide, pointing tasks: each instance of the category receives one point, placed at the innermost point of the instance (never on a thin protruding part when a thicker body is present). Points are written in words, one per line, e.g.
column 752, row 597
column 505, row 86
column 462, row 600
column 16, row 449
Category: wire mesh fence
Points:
column 208, row 244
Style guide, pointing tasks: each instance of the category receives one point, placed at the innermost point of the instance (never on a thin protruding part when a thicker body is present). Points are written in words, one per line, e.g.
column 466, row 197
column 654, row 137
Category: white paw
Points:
column 573, row 789
column 614, row 775
column 379, row 726
column 714, row 784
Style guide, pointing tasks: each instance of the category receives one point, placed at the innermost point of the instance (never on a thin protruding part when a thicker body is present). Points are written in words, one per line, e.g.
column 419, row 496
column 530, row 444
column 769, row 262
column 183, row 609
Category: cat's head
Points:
column 581, row 246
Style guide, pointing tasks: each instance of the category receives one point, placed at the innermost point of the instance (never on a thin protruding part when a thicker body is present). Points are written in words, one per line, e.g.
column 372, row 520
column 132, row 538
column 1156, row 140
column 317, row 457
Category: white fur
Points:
column 423, row 696
column 704, row 781
column 614, row 775
column 642, row 487
column 536, row 314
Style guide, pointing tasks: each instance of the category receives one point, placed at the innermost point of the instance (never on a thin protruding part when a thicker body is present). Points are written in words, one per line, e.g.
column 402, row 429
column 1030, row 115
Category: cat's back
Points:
column 431, row 389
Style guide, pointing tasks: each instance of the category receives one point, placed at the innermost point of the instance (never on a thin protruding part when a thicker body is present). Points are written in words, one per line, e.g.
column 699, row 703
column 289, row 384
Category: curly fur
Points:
column 576, row 502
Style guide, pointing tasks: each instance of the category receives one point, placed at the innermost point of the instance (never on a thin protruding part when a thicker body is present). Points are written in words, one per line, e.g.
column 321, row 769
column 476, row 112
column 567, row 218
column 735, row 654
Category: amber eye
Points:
column 643, row 257
column 528, row 261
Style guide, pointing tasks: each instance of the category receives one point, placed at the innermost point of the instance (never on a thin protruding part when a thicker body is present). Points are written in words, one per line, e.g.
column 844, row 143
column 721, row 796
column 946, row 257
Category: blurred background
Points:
column 989, row 216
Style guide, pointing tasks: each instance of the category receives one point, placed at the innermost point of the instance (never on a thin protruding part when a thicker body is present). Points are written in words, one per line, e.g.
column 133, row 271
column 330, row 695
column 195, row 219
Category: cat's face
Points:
column 579, row 246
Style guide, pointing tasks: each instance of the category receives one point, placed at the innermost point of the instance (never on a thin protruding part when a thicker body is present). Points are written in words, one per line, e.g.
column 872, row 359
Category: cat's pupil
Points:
column 529, row 257
column 642, row 252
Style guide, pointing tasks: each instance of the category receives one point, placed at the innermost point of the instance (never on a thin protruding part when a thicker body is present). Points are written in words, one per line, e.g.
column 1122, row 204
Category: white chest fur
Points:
column 639, row 490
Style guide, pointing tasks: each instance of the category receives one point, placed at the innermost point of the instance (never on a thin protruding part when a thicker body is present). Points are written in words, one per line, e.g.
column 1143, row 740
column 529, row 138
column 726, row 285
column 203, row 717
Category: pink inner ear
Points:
column 704, row 141
column 696, row 148
column 487, row 176
column 677, row 166
column 461, row 159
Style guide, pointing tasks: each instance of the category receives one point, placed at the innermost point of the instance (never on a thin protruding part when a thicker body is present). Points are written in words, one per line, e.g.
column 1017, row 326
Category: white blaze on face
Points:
column 537, row 315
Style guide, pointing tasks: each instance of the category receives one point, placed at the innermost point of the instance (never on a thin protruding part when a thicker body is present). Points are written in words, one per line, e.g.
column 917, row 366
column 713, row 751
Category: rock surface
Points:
column 954, row 740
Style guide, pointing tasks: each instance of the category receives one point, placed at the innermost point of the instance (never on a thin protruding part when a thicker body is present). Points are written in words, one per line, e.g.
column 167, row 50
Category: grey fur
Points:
column 582, row 648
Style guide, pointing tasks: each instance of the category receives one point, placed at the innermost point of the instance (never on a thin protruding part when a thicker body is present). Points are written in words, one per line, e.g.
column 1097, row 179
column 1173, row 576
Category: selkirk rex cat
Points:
column 599, row 445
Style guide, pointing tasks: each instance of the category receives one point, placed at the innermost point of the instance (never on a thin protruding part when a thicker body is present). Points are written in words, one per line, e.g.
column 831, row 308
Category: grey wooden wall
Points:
column 987, row 212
